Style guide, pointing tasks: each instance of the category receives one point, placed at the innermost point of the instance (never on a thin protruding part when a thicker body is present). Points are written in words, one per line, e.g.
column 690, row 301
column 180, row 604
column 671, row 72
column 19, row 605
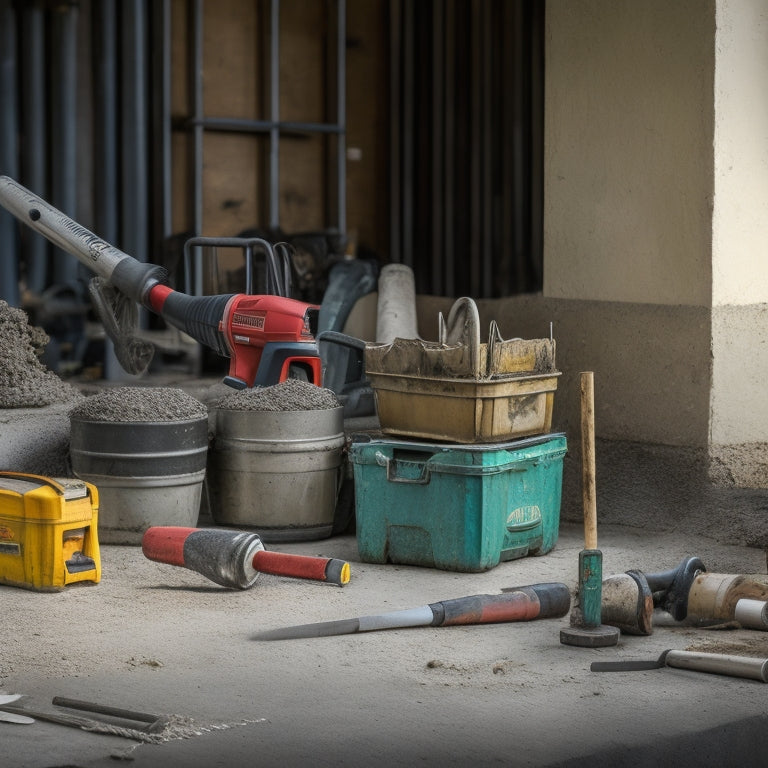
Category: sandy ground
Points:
column 166, row 640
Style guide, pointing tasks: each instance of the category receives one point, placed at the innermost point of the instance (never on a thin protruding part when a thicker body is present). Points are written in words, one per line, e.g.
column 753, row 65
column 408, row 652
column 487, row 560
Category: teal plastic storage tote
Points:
column 457, row 507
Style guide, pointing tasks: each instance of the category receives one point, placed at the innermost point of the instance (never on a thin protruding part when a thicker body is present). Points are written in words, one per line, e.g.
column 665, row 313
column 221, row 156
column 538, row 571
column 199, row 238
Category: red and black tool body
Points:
column 234, row 559
column 264, row 336
column 267, row 337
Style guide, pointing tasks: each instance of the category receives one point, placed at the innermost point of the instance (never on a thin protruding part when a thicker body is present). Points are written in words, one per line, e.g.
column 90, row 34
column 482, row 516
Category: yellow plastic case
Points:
column 48, row 532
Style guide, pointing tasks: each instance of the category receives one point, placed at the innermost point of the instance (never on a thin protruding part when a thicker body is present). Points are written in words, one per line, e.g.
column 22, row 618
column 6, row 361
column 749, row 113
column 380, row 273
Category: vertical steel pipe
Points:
column 274, row 114
column 134, row 124
column 64, row 24
column 395, row 150
column 34, row 151
column 197, row 116
column 341, row 116
column 106, row 155
column 9, row 252
column 438, row 147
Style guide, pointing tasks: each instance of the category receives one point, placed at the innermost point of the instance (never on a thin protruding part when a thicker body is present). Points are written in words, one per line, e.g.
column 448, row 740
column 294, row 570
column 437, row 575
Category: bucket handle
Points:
column 427, row 467
column 463, row 327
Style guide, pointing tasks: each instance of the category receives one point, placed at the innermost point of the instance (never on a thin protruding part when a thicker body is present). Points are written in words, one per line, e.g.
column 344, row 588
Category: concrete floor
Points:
column 165, row 640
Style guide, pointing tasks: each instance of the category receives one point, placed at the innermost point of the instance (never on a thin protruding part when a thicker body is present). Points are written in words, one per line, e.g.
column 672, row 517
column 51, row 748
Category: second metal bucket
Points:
column 278, row 472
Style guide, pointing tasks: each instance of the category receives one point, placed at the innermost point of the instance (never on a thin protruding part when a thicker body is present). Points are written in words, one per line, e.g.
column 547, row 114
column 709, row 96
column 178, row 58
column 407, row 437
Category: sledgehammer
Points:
column 586, row 629
column 234, row 559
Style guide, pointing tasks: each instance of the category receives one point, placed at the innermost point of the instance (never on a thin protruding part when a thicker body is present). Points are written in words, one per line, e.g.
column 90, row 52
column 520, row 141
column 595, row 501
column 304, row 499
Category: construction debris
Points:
column 288, row 395
column 25, row 382
column 128, row 404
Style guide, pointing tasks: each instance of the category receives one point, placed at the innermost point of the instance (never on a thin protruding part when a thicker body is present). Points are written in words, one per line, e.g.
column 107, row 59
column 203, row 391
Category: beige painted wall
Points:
column 628, row 150
column 628, row 199
column 740, row 217
column 739, row 410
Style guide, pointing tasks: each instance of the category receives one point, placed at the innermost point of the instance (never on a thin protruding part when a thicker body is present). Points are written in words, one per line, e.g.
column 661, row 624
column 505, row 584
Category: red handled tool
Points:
column 235, row 559
column 267, row 338
column 537, row 601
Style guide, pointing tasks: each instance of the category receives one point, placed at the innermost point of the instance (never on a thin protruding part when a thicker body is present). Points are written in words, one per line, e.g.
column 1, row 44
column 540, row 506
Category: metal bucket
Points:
column 147, row 473
column 278, row 472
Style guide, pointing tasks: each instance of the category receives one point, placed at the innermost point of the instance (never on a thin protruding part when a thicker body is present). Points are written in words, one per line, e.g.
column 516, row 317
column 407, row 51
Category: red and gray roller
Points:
column 234, row 559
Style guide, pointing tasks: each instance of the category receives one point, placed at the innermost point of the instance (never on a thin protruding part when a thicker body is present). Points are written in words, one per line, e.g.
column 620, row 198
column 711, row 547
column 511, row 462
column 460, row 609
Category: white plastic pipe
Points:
column 752, row 614
column 396, row 311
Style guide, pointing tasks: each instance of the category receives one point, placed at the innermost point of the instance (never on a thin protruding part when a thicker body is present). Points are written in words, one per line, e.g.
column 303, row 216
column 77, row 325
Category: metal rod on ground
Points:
column 151, row 723
column 586, row 629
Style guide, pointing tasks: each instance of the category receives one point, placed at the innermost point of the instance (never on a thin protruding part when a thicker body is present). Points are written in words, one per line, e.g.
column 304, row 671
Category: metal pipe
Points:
column 64, row 126
column 124, row 272
column 197, row 111
column 35, row 149
column 450, row 148
column 274, row 114
column 243, row 125
column 438, row 145
column 407, row 137
column 9, row 275
column 395, row 148
column 134, row 130
column 105, row 119
column 341, row 116
column 487, row 146
column 160, row 147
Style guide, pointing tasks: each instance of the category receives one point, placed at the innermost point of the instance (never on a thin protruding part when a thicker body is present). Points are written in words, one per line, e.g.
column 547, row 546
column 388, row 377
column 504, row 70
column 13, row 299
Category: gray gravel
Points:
column 140, row 404
column 288, row 395
column 24, row 381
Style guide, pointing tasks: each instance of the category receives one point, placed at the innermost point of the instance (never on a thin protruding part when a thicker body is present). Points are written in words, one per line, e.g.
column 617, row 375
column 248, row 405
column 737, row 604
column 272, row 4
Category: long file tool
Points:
column 716, row 663
column 536, row 601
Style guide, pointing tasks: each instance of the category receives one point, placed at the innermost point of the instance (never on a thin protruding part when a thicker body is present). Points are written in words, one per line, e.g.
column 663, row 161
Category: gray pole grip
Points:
column 133, row 278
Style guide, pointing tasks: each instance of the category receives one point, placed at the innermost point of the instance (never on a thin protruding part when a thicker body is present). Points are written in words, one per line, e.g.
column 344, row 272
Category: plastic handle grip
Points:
column 523, row 604
column 302, row 567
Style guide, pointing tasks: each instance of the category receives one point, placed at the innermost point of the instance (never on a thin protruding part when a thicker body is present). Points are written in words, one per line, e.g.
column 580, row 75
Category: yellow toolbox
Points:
column 48, row 531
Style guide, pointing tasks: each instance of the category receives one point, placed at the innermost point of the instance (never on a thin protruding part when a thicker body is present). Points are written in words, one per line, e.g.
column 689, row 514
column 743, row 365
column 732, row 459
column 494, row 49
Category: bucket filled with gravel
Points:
column 276, row 460
column 145, row 449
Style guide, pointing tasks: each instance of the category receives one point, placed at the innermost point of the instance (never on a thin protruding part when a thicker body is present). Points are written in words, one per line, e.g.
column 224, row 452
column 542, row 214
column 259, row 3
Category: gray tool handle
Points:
column 97, row 255
column 720, row 664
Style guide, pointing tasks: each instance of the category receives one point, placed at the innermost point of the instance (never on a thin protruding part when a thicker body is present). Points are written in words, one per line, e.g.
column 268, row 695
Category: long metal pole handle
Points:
column 99, row 256
column 589, row 498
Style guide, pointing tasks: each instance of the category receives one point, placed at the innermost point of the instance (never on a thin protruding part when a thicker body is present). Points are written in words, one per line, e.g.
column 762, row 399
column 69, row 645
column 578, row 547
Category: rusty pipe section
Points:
column 133, row 278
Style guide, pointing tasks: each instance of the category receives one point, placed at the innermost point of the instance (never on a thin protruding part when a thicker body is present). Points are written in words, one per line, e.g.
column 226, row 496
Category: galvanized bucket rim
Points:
column 299, row 410
column 164, row 422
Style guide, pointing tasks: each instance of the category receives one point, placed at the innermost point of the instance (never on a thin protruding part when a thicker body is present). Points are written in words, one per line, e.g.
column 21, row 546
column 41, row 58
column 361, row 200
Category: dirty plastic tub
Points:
column 147, row 473
column 277, row 472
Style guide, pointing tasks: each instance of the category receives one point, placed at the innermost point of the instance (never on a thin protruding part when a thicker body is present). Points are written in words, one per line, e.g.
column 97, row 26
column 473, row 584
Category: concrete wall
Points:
column 628, row 199
column 656, row 203
column 628, row 150
column 739, row 413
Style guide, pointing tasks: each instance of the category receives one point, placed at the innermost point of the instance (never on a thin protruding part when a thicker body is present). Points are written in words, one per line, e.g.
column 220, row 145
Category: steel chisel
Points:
column 536, row 601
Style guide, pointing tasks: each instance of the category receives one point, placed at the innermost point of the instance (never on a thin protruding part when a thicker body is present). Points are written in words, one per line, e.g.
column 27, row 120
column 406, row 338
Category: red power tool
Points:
column 267, row 338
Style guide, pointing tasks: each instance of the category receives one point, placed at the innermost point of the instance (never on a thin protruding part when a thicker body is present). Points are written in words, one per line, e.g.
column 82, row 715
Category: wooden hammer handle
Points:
column 589, row 498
